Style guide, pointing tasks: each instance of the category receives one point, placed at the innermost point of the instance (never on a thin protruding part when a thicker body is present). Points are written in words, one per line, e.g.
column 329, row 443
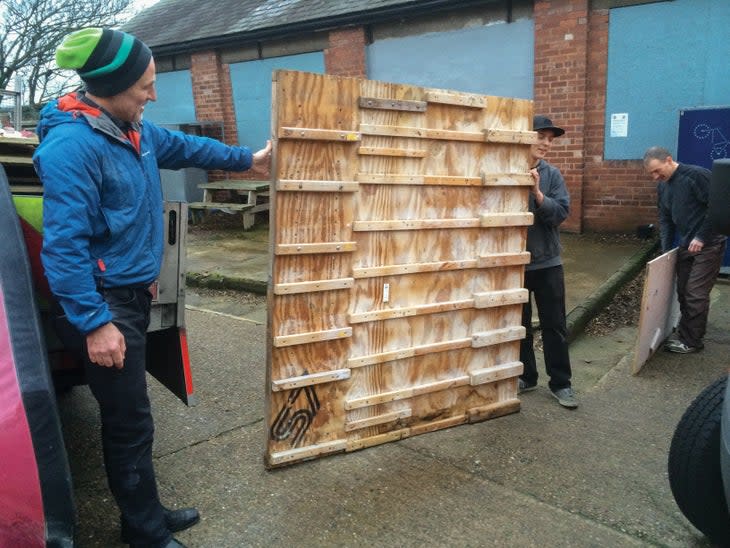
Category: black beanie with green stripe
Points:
column 108, row 61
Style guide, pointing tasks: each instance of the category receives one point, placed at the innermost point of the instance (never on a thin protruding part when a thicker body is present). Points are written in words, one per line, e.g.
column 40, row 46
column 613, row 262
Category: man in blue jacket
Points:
column 103, row 242
column 682, row 198
column 544, row 279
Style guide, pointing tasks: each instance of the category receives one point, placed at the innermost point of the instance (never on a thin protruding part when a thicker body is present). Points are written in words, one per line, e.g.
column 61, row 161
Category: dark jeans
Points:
column 547, row 285
column 696, row 274
column 127, row 429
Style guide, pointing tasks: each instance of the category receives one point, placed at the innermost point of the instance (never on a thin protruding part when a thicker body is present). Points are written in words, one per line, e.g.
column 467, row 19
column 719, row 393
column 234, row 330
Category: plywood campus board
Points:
column 659, row 307
column 398, row 227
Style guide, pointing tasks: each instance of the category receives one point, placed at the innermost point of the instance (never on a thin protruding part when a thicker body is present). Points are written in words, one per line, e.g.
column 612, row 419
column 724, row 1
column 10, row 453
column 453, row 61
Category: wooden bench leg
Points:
column 248, row 220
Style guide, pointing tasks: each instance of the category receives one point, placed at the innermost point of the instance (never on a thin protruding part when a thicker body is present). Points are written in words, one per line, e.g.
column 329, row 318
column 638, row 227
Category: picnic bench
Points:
column 256, row 194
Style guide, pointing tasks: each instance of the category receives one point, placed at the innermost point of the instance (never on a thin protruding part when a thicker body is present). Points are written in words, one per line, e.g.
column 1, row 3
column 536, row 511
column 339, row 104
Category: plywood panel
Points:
column 399, row 218
column 659, row 308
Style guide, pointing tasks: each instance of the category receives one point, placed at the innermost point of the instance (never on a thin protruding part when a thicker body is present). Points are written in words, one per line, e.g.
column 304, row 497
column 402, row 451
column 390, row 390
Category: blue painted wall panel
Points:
column 495, row 59
column 175, row 104
column 663, row 58
column 251, row 83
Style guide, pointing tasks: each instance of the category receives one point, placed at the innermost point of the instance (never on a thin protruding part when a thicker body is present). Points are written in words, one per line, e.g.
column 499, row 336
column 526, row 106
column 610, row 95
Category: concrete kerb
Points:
column 579, row 317
column 218, row 281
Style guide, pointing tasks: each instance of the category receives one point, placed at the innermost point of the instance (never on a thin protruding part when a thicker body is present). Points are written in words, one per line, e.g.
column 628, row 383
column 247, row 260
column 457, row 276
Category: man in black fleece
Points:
column 550, row 203
column 682, row 197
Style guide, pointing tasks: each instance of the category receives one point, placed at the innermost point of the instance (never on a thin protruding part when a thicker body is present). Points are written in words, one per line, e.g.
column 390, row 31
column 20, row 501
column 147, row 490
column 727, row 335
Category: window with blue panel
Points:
column 663, row 58
column 251, row 83
column 175, row 104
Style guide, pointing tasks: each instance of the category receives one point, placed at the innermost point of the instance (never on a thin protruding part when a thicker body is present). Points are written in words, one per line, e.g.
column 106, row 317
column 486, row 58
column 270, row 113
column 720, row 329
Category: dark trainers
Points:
column 523, row 387
column 679, row 347
column 566, row 397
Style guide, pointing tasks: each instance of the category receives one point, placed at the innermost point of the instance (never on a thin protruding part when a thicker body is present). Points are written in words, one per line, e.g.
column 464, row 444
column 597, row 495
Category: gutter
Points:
column 361, row 18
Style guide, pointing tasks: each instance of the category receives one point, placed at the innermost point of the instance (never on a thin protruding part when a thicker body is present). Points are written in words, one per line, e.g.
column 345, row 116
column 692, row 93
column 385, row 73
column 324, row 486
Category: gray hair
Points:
column 656, row 153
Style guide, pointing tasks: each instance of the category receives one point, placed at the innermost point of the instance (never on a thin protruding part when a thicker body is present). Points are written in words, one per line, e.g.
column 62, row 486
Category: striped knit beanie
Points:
column 108, row 61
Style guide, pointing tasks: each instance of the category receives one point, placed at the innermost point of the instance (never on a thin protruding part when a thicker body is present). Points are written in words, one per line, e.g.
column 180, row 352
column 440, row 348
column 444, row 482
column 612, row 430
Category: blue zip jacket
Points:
column 102, row 200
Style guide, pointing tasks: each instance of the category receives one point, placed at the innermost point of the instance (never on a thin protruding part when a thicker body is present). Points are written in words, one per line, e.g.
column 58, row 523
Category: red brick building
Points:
column 570, row 68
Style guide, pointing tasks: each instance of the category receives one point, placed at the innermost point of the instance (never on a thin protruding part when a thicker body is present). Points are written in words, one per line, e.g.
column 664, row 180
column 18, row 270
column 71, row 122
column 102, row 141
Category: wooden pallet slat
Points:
column 412, row 268
column 385, row 418
column 421, row 133
column 496, row 373
column 313, row 286
column 392, row 104
column 406, row 393
column 409, row 352
column 498, row 336
column 399, row 179
column 407, row 311
column 313, row 336
column 310, row 380
column 510, row 136
column 315, row 247
column 318, row 134
column 490, row 299
column 458, row 99
column 417, row 224
column 316, row 186
column 491, row 220
column 393, row 152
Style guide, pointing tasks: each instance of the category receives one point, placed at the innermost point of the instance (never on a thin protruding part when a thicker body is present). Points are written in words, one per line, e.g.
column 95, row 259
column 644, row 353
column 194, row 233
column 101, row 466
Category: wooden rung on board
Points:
column 499, row 409
column 491, row 220
column 491, row 299
column 403, row 353
column 308, row 452
column 421, row 133
column 319, row 247
column 507, row 179
column 415, row 224
column 220, row 205
column 510, row 136
column 496, row 373
column 392, row 104
column 458, row 99
column 308, row 380
column 396, row 152
column 426, row 427
column 396, row 179
column 405, row 393
column 503, row 259
column 318, row 134
column 364, row 443
column 316, row 186
column 418, row 310
column 412, row 268
column 314, row 336
column 385, row 418
column 498, row 336
column 313, row 286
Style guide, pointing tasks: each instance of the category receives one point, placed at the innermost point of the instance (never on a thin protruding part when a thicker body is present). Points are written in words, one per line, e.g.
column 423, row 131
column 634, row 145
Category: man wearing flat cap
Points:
column 544, row 279
column 102, row 248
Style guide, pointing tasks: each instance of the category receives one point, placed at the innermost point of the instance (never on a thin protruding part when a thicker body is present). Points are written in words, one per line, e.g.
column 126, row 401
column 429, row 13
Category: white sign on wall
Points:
column 620, row 124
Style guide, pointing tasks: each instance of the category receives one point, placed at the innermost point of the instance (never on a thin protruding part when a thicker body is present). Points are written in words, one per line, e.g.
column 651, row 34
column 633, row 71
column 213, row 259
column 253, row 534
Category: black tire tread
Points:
column 695, row 474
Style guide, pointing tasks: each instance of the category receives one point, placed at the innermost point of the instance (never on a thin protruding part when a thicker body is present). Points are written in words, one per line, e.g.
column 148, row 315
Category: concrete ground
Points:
column 545, row 476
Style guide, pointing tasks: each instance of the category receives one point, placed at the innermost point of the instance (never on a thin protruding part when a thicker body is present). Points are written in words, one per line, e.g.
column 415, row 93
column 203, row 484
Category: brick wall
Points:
column 617, row 195
column 345, row 55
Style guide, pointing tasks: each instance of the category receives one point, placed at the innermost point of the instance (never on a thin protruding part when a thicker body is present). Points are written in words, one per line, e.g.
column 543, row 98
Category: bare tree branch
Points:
column 30, row 32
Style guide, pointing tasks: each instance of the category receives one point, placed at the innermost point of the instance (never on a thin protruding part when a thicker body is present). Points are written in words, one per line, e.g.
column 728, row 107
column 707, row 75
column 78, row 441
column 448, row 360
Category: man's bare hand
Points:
column 536, row 192
column 262, row 160
column 695, row 246
column 106, row 346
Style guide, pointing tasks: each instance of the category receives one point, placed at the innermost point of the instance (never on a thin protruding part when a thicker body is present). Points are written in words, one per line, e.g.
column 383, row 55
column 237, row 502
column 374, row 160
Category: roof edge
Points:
column 414, row 7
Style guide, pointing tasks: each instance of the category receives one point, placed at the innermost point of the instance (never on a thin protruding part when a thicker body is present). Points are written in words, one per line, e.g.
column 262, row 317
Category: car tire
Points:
column 695, row 475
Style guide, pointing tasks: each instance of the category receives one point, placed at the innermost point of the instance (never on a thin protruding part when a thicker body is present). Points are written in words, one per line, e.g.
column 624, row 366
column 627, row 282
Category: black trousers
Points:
column 127, row 429
column 696, row 275
column 547, row 286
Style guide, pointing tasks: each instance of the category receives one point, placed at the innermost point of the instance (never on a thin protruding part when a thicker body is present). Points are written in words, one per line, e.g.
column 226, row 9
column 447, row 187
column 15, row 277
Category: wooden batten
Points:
column 396, row 263
column 496, row 373
column 310, row 380
column 404, row 312
column 413, row 268
column 304, row 453
column 392, row 104
column 377, row 420
column 489, row 299
column 313, row 336
column 316, row 186
column 469, row 100
column 317, row 285
column 318, row 134
column 505, row 219
column 498, row 336
column 510, row 136
column 315, row 247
